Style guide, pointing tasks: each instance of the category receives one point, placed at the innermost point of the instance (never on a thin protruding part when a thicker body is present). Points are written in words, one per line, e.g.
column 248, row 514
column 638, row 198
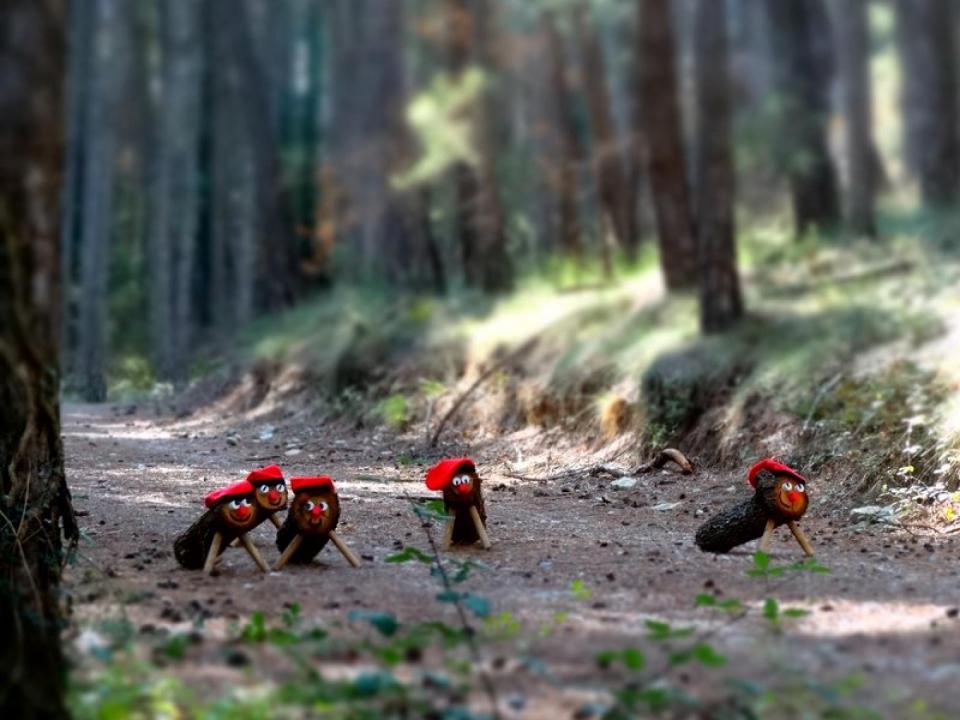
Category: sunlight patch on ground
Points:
column 849, row 618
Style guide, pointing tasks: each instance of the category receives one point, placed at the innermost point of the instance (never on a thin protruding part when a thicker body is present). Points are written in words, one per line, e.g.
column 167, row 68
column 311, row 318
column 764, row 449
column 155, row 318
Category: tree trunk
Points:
column 721, row 304
column 571, row 148
column 34, row 499
column 796, row 30
column 925, row 36
column 852, row 41
column 97, row 179
column 608, row 159
column 661, row 128
column 480, row 223
column 175, row 217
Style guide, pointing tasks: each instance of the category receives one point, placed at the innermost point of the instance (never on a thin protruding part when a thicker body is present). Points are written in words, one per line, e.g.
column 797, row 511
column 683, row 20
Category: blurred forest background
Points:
column 230, row 159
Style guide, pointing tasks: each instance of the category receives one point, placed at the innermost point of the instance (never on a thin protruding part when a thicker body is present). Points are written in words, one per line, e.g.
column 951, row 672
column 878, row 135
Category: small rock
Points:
column 232, row 441
column 666, row 507
column 953, row 612
column 293, row 452
column 624, row 483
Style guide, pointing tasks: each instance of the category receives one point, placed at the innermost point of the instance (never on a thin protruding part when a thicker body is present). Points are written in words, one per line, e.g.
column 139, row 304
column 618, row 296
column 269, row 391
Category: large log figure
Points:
column 463, row 498
column 779, row 498
column 231, row 513
column 311, row 522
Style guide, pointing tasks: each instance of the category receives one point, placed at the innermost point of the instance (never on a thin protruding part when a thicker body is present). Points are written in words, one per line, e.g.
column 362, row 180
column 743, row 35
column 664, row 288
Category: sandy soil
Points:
column 886, row 613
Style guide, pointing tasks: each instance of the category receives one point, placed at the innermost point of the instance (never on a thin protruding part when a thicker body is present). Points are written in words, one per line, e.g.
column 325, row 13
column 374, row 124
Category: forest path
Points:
column 886, row 612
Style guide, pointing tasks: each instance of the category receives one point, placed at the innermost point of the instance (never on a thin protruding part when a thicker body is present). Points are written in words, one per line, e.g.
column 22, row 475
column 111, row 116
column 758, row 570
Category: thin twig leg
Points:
column 481, row 530
column 289, row 551
column 767, row 534
column 448, row 535
column 801, row 538
column 275, row 520
column 344, row 550
column 213, row 552
column 254, row 553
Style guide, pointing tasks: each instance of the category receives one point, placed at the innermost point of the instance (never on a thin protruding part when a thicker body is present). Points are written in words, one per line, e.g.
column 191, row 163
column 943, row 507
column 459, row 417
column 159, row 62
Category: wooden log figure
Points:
column 271, row 491
column 779, row 498
column 232, row 512
column 312, row 520
column 462, row 498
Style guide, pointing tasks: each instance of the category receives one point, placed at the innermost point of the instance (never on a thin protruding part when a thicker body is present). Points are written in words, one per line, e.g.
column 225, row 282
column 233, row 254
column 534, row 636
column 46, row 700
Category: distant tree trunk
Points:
column 34, row 499
column 480, row 224
column 571, row 148
column 614, row 187
column 721, row 303
column 853, row 53
column 796, row 30
column 175, row 212
column 97, row 180
column 925, row 36
column 662, row 128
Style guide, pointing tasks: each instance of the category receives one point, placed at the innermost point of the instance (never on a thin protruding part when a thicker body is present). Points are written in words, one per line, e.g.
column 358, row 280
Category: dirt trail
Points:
column 886, row 612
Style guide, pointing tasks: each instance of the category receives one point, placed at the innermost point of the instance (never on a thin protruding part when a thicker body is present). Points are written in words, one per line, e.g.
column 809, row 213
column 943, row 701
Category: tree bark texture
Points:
column 34, row 501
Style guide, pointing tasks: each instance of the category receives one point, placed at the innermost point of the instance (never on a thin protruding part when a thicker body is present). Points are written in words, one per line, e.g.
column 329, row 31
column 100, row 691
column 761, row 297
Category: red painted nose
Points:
column 464, row 489
column 316, row 512
column 273, row 496
column 793, row 496
column 242, row 512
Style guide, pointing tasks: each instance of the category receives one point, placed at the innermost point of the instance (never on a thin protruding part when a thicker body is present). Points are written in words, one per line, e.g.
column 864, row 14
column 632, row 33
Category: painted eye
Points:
column 235, row 504
column 281, row 487
column 324, row 506
column 308, row 505
column 800, row 487
column 264, row 488
column 456, row 481
column 245, row 502
column 788, row 486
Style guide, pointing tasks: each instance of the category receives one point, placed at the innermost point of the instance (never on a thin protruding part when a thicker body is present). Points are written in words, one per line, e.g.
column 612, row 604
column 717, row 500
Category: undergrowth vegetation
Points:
column 466, row 664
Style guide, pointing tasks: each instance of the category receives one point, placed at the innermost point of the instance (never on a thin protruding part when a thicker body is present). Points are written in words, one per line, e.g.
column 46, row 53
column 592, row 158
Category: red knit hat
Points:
column 440, row 475
column 268, row 473
column 777, row 468
column 311, row 483
column 236, row 490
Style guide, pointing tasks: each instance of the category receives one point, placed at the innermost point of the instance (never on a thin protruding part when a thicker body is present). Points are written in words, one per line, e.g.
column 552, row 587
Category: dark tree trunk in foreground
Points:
column 721, row 304
column 661, row 127
column 852, row 41
column 616, row 200
column 796, row 28
column 33, row 493
column 927, row 46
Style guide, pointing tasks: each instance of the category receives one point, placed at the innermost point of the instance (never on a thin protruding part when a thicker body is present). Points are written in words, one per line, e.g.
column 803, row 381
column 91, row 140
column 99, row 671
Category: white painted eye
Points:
column 308, row 505
column 246, row 502
column 264, row 489
column 788, row 486
column 800, row 487
column 235, row 504
column 456, row 481
column 324, row 506
column 281, row 487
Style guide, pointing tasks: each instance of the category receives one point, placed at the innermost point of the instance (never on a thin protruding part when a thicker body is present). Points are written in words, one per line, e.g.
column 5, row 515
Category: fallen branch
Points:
column 663, row 457
column 503, row 362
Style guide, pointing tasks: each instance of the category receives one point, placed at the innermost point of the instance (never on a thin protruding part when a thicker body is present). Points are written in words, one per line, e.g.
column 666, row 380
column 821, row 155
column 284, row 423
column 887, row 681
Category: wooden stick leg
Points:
column 801, row 538
column 289, row 551
column 254, row 553
column 275, row 520
column 481, row 530
column 344, row 550
column 213, row 552
column 767, row 534
column 447, row 535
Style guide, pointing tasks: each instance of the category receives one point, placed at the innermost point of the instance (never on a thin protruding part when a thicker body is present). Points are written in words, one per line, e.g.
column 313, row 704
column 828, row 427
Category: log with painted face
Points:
column 780, row 497
column 231, row 513
column 311, row 522
column 461, row 485
column 271, row 490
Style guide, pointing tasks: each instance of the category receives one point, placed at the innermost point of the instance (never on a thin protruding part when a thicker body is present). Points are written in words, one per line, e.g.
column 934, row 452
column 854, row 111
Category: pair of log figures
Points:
column 233, row 511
